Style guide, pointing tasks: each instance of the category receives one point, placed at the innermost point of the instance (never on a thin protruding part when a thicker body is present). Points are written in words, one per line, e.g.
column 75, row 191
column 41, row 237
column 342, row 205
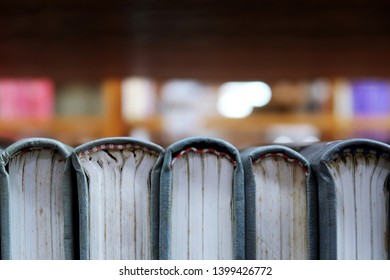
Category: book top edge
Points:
column 356, row 145
column 328, row 151
column 117, row 143
column 32, row 144
column 257, row 154
column 204, row 145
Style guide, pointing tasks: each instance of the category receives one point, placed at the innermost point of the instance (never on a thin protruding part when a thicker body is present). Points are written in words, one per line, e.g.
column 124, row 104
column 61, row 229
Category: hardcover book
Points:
column 200, row 198
column 352, row 179
column 36, row 201
column 281, row 205
column 114, row 187
column 201, row 201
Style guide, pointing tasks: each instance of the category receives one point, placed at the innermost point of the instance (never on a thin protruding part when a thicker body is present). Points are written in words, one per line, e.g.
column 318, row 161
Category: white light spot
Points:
column 283, row 139
column 237, row 99
column 311, row 139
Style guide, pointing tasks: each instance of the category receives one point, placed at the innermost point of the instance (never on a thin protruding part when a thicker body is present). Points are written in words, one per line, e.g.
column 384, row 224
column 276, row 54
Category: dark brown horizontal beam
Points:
column 221, row 40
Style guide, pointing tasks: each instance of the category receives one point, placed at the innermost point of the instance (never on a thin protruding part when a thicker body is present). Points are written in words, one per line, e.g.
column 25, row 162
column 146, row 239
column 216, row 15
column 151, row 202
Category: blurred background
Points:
column 250, row 72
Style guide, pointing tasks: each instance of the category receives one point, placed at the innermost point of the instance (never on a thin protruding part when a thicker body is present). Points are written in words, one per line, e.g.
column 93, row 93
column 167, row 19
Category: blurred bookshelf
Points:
column 69, row 112
column 164, row 111
column 310, row 110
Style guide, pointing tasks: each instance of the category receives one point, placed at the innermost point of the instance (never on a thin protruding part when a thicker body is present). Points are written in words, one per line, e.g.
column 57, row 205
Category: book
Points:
column 78, row 99
column 36, row 201
column 114, row 189
column 353, row 198
column 281, row 205
column 27, row 99
column 371, row 97
column 201, row 200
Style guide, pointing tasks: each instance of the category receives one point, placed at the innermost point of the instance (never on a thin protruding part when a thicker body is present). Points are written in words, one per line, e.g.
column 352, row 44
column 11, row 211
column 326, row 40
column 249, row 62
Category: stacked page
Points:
column 353, row 198
column 34, row 186
column 114, row 195
column 201, row 201
column 280, row 205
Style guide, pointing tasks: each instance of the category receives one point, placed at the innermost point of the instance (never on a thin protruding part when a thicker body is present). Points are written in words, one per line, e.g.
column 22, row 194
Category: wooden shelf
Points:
column 367, row 123
column 70, row 130
column 261, row 121
column 331, row 127
column 324, row 122
column 109, row 123
column 73, row 130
